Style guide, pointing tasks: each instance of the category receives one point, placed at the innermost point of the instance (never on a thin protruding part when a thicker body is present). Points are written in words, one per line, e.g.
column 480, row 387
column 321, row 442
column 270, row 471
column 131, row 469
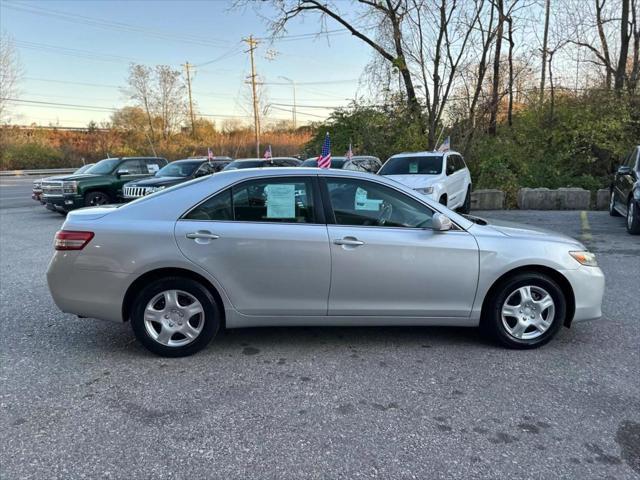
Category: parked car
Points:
column 36, row 192
column 172, row 174
column 444, row 177
column 625, row 192
column 358, row 163
column 263, row 163
column 295, row 246
column 99, row 186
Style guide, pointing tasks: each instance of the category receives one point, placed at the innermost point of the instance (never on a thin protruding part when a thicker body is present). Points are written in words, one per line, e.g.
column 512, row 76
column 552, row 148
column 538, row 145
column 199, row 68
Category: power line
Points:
column 72, row 52
column 119, row 26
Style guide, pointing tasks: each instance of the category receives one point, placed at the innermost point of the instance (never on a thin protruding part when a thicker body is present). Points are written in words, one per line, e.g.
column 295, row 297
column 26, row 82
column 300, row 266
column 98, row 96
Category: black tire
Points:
column 211, row 316
column 633, row 218
column 466, row 206
column 492, row 314
column 443, row 200
column 93, row 199
column 612, row 211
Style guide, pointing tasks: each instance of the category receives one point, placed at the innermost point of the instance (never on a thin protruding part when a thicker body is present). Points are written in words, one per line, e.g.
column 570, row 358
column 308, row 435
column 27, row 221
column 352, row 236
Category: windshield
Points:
column 313, row 162
column 104, row 167
column 84, row 168
column 244, row 164
column 178, row 169
column 429, row 165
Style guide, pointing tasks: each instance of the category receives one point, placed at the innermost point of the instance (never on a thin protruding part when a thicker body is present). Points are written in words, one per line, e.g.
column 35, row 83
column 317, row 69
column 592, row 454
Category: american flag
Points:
column 349, row 153
column 267, row 153
column 446, row 145
column 324, row 160
column 209, row 154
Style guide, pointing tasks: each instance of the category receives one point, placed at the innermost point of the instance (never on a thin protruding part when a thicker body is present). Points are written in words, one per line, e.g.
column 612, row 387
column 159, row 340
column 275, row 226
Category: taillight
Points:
column 68, row 240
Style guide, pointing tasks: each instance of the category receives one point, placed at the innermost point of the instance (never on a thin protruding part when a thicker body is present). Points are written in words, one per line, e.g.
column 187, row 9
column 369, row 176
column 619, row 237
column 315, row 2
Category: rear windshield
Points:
column 431, row 165
column 244, row 164
column 313, row 163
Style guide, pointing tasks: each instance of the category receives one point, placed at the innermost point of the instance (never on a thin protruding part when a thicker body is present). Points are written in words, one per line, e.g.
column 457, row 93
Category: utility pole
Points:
column 256, row 119
column 187, row 66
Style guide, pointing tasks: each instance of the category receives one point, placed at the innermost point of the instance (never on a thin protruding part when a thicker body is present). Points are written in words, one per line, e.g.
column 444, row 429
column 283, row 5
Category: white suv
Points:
column 443, row 176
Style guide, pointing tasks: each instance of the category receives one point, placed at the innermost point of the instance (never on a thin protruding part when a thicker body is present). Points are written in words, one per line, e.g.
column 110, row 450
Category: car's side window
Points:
column 132, row 167
column 152, row 165
column 288, row 200
column 217, row 207
column 203, row 170
column 364, row 203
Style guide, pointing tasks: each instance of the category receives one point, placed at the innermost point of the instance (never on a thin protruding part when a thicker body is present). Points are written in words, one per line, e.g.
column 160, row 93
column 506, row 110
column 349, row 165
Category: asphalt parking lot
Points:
column 81, row 399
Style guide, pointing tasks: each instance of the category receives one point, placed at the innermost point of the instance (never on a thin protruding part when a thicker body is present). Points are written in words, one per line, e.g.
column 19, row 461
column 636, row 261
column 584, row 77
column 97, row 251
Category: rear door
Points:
column 265, row 241
column 386, row 260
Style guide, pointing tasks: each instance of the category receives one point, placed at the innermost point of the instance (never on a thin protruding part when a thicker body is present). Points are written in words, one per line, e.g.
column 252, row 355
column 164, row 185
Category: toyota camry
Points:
column 291, row 246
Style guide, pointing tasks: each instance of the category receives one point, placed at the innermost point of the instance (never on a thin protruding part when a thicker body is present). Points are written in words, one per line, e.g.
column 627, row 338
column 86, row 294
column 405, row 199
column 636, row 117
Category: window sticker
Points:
column 281, row 200
column 413, row 167
column 364, row 203
column 152, row 168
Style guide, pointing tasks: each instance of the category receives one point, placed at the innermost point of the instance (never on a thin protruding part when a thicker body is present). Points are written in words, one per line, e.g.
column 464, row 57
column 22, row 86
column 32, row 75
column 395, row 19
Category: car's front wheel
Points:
column 175, row 317
column 525, row 311
column 466, row 206
column 94, row 199
column 633, row 218
column 612, row 205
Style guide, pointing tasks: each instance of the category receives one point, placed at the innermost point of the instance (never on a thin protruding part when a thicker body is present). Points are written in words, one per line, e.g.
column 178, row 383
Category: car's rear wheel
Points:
column 94, row 199
column 466, row 206
column 525, row 311
column 633, row 218
column 175, row 317
column 612, row 205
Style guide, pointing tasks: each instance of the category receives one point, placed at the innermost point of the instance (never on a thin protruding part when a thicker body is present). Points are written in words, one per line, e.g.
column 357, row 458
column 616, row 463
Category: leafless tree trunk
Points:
column 511, row 79
column 545, row 45
column 495, row 86
column 632, row 81
column 140, row 89
column 625, row 34
column 10, row 73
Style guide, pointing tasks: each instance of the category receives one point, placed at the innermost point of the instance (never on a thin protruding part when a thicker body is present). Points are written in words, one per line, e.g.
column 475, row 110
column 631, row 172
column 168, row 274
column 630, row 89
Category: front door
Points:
column 265, row 243
column 387, row 261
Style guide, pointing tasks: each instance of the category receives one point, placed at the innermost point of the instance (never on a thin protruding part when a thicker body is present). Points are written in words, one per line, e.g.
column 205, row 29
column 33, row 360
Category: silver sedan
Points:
column 280, row 247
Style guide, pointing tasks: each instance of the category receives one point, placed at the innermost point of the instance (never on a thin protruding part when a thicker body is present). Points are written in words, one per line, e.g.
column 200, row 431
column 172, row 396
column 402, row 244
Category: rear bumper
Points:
column 87, row 293
column 588, row 290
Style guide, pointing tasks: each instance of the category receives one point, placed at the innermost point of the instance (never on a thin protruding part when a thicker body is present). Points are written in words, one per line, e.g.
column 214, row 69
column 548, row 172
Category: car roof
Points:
column 424, row 154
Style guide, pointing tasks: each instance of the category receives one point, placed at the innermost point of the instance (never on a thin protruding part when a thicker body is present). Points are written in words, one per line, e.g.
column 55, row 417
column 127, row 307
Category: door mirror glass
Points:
column 122, row 172
column 624, row 170
column 440, row 222
column 450, row 167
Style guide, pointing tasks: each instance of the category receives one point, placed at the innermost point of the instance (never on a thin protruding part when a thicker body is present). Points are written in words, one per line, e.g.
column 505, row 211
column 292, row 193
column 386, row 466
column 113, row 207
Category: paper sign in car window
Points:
column 152, row 167
column 365, row 203
column 281, row 201
column 413, row 167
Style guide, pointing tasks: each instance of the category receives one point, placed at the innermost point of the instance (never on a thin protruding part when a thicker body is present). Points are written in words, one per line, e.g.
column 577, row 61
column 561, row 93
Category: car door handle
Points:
column 349, row 241
column 201, row 234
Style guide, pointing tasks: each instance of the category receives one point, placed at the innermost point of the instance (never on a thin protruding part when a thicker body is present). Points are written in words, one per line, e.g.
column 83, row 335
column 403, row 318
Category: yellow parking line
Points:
column 586, row 229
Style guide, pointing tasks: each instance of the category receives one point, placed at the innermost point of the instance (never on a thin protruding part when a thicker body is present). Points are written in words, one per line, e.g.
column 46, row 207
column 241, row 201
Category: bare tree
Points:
column 140, row 89
column 545, row 46
column 170, row 99
column 10, row 73
column 495, row 81
column 625, row 35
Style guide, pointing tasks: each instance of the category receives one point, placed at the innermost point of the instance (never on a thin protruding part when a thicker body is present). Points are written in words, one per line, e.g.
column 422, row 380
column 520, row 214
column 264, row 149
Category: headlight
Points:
column 425, row 191
column 587, row 259
column 70, row 187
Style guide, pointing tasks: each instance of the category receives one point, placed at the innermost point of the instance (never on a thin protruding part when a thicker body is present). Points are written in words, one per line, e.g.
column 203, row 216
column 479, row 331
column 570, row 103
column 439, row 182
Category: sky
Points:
column 78, row 53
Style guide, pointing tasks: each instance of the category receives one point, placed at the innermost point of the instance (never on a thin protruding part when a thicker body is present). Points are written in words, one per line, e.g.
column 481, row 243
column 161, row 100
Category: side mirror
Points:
column 450, row 169
column 120, row 173
column 624, row 170
column 441, row 223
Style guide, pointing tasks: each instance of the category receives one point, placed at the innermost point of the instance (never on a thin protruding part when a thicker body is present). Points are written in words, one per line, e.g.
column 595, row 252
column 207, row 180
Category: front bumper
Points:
column 63, row 203
column 588, row 290
column 86, row 293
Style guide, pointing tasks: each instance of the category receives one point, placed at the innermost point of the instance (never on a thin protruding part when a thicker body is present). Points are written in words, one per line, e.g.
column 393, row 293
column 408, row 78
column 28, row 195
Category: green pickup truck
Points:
column 99, row 185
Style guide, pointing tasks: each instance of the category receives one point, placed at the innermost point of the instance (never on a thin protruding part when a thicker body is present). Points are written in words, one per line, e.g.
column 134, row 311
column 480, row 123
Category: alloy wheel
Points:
column 528, row 312
column 99, row 200
column 174, row 318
